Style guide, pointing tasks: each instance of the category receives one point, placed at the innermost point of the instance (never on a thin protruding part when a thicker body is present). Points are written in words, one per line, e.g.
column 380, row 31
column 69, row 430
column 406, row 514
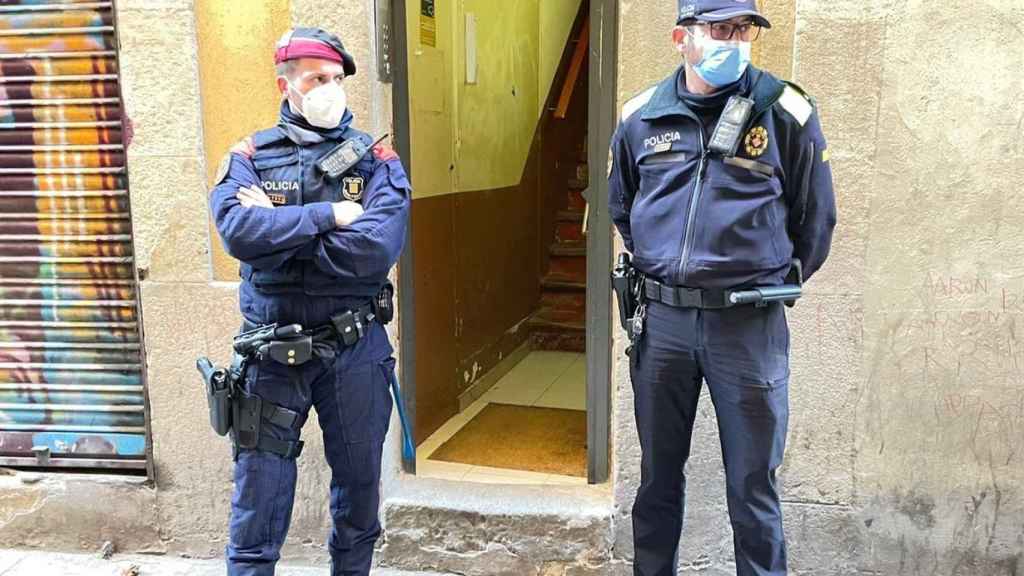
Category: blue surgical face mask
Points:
column 723, row 62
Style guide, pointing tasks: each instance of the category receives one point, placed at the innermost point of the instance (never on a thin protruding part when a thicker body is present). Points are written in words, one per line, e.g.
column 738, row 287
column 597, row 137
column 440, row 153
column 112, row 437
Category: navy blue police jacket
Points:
column 295, row 249
column 694, row 218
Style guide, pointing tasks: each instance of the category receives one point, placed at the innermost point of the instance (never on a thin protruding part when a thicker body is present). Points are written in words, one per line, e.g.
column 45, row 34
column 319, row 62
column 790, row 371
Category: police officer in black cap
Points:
column 720, row 186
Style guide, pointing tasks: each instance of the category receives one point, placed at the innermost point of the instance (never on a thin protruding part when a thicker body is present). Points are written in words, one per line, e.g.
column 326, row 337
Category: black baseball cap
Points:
column 720, row 10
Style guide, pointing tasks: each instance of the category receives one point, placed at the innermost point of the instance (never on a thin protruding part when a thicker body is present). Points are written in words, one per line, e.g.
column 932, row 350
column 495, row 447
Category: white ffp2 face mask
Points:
column 323, row 106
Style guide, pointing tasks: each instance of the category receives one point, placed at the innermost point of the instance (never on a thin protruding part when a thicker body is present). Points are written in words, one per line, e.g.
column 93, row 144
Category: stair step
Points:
column 562, row 282
column 578, row 184
column 440, row 526
column 568, row 232
column 569, row 249
column 562, row 330
column 576, row 201
column 560, row 320
column 575, row 300
column 570, row 216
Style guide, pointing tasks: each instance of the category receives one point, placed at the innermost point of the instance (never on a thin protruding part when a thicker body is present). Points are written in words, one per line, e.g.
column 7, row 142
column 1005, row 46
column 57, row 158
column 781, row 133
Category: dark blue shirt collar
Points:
column 710, row 102
column 667, row 101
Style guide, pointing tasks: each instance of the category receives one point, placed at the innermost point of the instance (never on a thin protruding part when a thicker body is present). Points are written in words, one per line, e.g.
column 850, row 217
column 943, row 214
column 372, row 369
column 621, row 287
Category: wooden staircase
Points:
column 560, row 321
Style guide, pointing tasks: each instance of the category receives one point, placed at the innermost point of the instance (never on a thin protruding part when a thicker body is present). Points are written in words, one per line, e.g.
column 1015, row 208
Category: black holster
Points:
column 218, row 395
column 627, row 282
column 384, row 303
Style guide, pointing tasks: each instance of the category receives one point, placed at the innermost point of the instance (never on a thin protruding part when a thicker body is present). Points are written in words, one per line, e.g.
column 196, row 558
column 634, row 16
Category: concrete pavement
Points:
column 42, row 563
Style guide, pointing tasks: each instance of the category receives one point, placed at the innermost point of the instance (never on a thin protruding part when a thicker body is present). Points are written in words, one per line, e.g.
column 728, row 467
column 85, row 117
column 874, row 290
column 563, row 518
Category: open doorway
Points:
column 505, row 340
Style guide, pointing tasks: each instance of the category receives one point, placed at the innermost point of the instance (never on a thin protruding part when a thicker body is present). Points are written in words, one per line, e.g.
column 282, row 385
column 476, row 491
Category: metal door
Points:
column 71, row 389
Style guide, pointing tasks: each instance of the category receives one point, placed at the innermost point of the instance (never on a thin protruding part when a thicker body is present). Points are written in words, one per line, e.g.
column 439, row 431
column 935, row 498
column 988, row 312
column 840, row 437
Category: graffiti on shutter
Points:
column 71, row 387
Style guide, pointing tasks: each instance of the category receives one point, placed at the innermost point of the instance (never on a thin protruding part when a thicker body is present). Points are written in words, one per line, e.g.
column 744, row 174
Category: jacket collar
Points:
column 764, row 89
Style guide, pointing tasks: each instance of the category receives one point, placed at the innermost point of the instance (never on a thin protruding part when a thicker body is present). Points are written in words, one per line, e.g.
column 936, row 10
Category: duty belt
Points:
column 682, row 297
column 705, row 299
column 291, row 346
column 349, row 326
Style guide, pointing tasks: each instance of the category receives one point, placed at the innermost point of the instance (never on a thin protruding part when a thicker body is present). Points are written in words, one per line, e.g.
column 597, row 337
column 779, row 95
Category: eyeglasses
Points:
column 725, row 31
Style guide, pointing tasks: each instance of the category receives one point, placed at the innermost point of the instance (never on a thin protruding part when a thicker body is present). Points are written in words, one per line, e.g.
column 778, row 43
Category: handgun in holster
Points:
column 218, row 394
column 627, row 282
column 231, row 410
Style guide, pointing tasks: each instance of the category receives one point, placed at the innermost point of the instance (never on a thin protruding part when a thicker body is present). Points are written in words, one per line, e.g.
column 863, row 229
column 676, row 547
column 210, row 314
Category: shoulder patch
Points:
column 384, row 153
column 244, row 147
column 222, row 170
column 637, row 102
column 796, row 104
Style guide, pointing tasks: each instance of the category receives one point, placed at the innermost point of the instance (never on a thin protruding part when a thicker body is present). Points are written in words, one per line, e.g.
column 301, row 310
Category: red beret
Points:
column 313, row 43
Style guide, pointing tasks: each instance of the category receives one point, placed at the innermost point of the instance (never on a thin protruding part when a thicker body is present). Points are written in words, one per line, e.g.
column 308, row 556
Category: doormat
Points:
column 548, row 440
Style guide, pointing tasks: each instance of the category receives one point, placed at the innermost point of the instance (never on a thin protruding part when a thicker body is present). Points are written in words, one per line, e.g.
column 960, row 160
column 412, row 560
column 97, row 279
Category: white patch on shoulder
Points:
column 222, row 169
column 637, row 102
column 796, row 104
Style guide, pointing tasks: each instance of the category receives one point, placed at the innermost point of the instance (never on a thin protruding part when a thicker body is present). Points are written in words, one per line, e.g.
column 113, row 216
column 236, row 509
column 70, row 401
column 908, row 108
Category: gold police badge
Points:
column 352, row 188
column 756, row 142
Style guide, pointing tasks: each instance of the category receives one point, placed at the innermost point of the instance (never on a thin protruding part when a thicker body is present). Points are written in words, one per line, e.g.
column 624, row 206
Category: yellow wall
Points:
column 484, row 129
column 556, row 19
column 431, row 89
column 237, row 82
column 497, row 115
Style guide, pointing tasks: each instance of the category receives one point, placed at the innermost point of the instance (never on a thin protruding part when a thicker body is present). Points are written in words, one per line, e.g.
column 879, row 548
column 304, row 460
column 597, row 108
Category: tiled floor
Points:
column 546, row 379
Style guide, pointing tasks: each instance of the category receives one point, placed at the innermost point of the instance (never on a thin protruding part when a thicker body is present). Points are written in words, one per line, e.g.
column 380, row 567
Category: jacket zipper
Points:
column 694, row 202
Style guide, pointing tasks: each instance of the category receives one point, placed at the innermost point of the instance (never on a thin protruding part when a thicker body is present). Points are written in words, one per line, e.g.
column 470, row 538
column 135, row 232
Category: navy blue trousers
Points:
column 353, row 405
column 743, row 355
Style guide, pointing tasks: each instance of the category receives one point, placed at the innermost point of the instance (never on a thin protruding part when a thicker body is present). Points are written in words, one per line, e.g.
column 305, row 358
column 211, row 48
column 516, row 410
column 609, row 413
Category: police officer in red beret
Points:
column 317, row 216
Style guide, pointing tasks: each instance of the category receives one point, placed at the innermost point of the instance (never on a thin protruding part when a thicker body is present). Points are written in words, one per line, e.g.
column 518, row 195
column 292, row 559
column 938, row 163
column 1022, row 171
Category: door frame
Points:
column 603, row 112
column 601, row 124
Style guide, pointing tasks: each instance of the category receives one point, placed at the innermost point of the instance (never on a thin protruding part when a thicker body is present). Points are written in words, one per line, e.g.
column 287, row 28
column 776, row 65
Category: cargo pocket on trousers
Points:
column 365, row 408
column 386, row 404
column 355, row 397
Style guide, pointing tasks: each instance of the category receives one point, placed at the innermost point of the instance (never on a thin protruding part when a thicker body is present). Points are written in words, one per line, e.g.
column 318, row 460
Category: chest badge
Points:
column 277, row 199
column 756, row 141
column 352, row 188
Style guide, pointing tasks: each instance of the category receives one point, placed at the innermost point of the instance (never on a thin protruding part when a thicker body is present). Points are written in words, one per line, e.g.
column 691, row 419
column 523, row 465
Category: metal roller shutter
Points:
column 71, row 387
